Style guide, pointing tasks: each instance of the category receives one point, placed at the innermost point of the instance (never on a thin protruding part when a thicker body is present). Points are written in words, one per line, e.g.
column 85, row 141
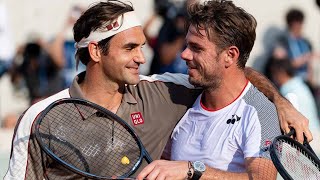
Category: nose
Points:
column 139, row 58
column 186, row 54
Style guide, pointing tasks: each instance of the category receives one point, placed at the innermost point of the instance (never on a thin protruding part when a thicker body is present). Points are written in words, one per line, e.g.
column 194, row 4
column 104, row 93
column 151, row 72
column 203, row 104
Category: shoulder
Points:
column 39, row 106
column 256, row 98
column 174, row 78
column 31, row 113
column 263, row 111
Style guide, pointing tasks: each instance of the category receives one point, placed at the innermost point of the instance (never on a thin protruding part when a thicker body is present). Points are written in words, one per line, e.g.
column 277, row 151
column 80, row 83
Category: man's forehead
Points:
column 200, row 32
column 194, row 34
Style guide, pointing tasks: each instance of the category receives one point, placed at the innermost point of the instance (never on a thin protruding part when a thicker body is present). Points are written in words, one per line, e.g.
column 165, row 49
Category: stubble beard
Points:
column 211, row 83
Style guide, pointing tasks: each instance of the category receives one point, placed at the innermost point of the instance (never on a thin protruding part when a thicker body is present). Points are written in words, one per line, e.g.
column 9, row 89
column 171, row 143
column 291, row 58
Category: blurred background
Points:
column 37, row 53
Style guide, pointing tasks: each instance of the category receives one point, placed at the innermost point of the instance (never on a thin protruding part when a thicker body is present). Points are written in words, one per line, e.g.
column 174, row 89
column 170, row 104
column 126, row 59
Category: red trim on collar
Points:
column 212, row 110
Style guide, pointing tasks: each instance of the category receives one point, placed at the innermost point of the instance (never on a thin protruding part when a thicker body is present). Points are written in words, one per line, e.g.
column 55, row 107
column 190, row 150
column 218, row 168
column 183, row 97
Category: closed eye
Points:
column 195, row 47
column 131, row 46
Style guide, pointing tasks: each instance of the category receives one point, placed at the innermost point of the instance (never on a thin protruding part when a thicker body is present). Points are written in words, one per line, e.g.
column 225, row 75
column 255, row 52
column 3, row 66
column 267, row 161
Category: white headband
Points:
column 124, row 22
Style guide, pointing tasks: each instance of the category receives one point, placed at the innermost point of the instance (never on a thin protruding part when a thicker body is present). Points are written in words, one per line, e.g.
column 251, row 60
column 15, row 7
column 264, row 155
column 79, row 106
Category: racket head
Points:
column 294, row 160
column 89, row 140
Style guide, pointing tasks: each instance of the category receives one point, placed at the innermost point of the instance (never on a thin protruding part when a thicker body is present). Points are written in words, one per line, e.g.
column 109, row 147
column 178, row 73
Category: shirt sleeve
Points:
column 25, row 161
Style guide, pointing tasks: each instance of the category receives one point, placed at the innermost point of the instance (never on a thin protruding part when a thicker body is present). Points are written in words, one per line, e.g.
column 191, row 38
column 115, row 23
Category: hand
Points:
column 290, row 117
column 163, row 169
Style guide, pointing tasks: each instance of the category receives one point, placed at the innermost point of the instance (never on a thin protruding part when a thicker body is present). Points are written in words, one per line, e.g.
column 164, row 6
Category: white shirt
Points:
column 222, row 139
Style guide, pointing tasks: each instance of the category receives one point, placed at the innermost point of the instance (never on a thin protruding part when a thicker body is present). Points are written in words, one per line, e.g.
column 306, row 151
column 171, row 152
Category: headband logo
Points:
column 112, row 25
column 123, row 22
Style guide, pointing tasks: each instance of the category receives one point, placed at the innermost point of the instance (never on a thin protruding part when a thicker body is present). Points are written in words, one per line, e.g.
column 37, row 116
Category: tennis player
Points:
column 227, row 131
column 109, row 40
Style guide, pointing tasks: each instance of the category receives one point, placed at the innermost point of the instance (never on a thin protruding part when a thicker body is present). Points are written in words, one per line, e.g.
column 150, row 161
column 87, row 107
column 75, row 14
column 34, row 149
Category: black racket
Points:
column 89, row 140
column 294, row 160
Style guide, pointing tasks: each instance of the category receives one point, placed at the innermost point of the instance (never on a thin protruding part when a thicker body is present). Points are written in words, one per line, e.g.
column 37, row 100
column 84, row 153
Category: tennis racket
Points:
column 89, row 140
column 294, row 160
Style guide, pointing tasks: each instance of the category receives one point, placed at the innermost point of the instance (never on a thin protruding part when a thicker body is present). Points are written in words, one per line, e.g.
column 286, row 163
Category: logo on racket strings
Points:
column 137, row 118
column 114, row 144
column 60, row 133
column 91, row 150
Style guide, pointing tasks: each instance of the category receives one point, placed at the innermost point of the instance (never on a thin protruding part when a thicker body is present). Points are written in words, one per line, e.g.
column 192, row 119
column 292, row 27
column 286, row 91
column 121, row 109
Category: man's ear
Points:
column 232, row 56
column 94, row 51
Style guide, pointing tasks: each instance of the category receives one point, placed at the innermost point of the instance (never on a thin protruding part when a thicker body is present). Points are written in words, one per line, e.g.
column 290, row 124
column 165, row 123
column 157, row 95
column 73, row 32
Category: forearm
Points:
column 256, row 168
column 267, row 88
column 212, row 173
column 264, row 85
column 55, row 50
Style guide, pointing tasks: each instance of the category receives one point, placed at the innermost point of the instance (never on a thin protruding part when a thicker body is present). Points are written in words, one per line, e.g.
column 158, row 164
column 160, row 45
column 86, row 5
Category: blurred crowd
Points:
column 40, row 68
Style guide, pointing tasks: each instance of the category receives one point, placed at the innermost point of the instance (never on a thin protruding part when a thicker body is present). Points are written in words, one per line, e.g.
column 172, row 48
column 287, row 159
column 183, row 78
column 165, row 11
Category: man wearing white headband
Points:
column 109, row 42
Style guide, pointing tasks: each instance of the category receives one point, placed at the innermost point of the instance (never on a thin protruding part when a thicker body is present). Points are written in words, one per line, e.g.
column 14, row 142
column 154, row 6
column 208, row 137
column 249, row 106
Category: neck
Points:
column 229, row 90
column 103, row 92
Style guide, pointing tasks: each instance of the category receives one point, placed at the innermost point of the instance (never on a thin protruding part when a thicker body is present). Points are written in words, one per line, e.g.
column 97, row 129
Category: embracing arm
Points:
column 288, row 115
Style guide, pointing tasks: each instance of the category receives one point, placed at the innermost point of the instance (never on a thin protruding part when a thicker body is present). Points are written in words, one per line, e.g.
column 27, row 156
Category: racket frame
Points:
column 303, row 149
column 143, row 152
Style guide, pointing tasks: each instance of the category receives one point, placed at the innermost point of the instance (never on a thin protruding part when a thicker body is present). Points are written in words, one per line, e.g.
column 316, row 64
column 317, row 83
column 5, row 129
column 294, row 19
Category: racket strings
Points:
column 261, row 167
column 298, row 163
column 89, row 140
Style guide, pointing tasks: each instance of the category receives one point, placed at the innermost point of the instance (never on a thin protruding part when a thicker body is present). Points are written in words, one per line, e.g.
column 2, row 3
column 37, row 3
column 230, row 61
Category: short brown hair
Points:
column 225, row 25
column 94, row 18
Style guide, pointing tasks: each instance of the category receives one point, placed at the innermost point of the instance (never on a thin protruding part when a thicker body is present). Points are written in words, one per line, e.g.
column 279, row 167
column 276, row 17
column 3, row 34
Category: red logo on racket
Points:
column 137, row 118
column 267, row 143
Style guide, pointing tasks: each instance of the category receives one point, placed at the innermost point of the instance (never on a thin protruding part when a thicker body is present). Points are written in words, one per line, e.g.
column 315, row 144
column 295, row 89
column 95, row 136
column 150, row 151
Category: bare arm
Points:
column 55, row 50
column 257, row 168
column 288, row 115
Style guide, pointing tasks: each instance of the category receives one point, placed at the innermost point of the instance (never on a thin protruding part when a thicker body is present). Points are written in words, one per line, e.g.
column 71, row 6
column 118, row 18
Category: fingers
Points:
column 146, row 171
column 155, row 174
column 290, row 117
column 285, row 127
column 299, row 135
column 308, row 135
column 302, row 129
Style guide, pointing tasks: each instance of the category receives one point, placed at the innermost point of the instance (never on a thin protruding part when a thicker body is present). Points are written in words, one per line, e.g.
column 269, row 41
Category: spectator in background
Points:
column 298, row 48
column 39, row 69
column 295, row 90
column 170, row 41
